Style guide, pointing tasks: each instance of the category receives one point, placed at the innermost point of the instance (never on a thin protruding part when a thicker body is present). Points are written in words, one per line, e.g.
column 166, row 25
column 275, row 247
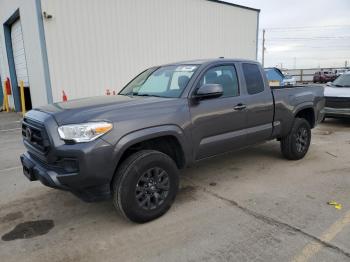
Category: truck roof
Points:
column 210, row 60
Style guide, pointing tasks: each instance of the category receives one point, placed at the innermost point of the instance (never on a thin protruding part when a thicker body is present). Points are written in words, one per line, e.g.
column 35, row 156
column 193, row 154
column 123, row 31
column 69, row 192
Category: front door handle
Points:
column 239, row 107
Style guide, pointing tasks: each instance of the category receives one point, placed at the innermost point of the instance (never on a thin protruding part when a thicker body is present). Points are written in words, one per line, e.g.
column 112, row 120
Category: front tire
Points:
column 296, row 144
column 145, row 185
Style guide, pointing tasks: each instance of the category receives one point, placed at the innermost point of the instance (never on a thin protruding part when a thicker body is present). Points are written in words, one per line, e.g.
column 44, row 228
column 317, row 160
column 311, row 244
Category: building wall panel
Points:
column 97, row 45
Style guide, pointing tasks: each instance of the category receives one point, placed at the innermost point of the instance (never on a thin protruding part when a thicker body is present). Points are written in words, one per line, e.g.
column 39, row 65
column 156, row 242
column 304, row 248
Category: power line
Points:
column 310, row 38
column 307, row 27
column 305, row 40
column 319, row 47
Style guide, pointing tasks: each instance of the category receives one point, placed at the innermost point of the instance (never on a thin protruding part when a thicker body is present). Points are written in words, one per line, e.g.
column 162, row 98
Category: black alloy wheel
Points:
column 152, row 188
column 302, row 139
column 295, row 145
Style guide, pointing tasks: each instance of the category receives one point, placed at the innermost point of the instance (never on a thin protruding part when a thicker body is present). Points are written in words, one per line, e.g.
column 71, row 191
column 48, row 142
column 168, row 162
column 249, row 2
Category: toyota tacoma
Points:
column 131, row 146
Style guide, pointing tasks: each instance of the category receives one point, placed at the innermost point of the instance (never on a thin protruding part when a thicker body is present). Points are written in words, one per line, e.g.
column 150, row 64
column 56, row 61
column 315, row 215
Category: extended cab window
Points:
column 253, row 78
column 226, row 76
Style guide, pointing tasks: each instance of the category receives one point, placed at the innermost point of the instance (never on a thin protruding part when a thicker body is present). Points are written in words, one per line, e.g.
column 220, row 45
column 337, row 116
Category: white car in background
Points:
column 289, row 80
column 337, row 94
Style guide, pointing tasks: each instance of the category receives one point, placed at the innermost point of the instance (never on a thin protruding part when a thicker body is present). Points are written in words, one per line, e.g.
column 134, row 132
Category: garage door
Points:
column 18, row 53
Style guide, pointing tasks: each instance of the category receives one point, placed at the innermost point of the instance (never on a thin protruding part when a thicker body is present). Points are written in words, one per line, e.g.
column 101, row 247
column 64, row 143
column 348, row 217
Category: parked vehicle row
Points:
column 278, row 77
column 130, row 147
column 324, row 76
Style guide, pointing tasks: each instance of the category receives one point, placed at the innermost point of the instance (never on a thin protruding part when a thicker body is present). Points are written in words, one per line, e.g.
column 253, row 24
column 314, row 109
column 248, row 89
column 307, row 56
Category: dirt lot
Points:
column 250, row 205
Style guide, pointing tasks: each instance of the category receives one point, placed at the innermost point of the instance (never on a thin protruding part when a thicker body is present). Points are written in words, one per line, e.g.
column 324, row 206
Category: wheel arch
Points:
column 169, row 139
column 307, row 112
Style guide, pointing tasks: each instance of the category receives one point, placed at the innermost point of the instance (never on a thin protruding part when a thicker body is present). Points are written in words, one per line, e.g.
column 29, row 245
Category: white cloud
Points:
column 282, row 48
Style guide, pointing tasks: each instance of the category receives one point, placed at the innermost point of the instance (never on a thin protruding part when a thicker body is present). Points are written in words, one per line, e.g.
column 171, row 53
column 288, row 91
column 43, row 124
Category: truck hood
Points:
column 90, row 109
column 333, row 91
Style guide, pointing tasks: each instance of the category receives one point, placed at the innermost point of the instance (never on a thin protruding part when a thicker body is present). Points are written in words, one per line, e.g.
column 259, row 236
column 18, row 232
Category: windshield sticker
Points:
column 186, row 68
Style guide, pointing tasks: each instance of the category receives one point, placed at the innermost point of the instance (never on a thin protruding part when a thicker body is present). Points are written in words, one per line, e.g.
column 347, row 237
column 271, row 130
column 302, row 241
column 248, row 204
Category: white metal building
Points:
column 84, row 47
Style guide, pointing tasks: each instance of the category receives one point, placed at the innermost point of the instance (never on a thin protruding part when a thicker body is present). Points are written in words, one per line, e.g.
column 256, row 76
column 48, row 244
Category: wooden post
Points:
column 23, row 103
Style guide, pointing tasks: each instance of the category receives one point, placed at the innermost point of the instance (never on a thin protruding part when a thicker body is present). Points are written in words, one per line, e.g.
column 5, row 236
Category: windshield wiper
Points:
column 130, row 94
column 147, row 95
column 339, row 85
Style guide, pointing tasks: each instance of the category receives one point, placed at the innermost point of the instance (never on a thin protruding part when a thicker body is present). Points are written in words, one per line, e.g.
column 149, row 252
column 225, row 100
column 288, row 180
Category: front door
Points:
column 219, row 123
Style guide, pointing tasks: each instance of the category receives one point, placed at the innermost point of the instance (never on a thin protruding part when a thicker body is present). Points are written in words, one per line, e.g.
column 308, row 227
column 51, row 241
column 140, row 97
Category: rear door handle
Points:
column 239, row 107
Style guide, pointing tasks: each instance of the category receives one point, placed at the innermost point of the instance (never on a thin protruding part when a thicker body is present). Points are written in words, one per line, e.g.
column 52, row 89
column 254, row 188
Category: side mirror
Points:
column 329, row 84
column 209, row 91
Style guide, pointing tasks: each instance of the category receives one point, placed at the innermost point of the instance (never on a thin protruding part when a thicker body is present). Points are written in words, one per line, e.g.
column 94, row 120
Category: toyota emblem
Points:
column 29, row 133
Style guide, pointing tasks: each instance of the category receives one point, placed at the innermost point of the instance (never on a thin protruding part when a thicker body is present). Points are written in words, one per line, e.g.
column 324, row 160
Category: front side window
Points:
column 253, row 78
column 225, row 76
column 165, row 81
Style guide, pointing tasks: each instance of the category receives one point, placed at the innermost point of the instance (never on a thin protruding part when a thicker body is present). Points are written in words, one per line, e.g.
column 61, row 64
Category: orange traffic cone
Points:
column 64, row 96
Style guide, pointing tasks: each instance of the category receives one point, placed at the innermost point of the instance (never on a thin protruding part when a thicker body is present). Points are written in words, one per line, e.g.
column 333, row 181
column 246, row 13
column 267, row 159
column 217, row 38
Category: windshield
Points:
column 342, row 81
column 165, row 81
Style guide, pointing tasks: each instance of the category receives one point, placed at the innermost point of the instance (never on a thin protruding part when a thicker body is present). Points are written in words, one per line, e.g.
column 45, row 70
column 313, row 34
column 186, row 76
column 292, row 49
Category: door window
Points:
column 253, row 78
column 225, row 76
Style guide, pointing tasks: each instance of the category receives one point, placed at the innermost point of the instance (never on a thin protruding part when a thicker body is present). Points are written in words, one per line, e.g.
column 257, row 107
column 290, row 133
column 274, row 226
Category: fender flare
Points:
column 148, row 133
column 302, row 106
column 307, row 105
column 287, row 125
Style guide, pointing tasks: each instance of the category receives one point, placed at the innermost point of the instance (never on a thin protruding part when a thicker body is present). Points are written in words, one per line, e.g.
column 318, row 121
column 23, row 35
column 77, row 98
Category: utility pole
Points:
column 263, row 49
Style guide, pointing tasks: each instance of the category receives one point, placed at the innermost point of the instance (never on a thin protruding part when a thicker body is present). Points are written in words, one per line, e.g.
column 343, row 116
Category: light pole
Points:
column 263, row 49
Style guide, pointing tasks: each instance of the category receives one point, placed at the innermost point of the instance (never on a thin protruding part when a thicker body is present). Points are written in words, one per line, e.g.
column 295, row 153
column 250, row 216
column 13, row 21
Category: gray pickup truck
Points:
column 129, row 147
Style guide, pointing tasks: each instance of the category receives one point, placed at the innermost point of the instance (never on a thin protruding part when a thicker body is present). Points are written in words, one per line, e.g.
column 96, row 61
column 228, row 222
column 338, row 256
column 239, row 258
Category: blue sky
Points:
column 304, row 33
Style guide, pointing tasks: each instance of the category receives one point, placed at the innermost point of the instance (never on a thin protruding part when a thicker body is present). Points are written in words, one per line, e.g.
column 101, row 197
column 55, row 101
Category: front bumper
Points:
column 90, row 181
column 34, row 171
column 336, row 112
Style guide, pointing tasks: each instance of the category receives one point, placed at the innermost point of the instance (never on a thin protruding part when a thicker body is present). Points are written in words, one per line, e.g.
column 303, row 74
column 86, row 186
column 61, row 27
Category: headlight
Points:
column 85, row 132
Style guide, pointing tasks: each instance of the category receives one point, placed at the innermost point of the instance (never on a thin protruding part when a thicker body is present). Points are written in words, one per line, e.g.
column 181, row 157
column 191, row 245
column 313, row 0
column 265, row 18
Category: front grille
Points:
column 338, row 102
column 34, row 134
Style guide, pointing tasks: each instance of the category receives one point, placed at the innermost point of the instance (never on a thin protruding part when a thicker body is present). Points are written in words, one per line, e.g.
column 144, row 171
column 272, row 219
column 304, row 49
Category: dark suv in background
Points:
column 324, row 76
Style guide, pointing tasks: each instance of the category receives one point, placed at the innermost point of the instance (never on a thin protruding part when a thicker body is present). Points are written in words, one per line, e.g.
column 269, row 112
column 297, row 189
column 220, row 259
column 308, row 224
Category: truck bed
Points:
column 289, row 100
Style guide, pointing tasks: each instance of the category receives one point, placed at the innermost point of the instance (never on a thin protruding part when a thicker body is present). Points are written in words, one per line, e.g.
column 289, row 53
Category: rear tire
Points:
column 296, row 144
column 145, row 186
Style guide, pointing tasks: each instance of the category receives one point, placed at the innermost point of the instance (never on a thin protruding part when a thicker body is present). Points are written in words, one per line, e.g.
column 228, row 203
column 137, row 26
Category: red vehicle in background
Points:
column 324, row 76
